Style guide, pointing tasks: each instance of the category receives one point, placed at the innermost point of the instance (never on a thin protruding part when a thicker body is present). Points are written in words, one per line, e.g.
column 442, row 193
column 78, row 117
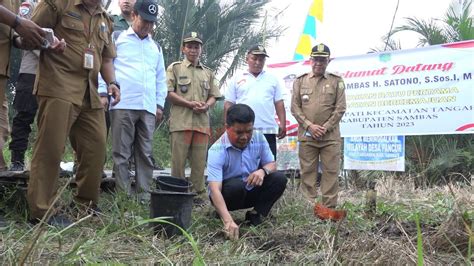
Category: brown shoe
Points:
column 325, row 213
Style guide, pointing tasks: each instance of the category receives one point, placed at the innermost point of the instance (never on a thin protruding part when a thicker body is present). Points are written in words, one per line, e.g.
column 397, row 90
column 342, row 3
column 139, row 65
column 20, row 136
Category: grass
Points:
column 291, row 235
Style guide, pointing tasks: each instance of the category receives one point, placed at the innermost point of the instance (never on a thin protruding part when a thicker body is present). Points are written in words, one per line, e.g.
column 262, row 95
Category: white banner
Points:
column 385, row 153
column 422, row 91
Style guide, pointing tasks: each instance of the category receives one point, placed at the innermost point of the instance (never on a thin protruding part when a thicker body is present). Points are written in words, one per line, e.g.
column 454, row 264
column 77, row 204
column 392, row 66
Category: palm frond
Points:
column 430, row 32
column 226, row 29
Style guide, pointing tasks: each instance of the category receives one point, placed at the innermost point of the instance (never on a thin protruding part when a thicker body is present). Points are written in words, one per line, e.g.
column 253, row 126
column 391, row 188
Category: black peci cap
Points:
column 320, row 50
column 147, row 9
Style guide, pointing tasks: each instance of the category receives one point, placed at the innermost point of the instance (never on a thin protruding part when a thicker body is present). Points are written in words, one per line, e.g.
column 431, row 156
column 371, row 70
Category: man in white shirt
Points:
column 263, row 93
column 139, row 68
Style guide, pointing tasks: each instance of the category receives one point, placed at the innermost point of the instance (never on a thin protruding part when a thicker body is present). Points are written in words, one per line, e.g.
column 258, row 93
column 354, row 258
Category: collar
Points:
column 325, row 75
column 130, row 31
column 228, row 145
column 250, row 74
column 98, row 10
column 120, row 17
column 188, row 63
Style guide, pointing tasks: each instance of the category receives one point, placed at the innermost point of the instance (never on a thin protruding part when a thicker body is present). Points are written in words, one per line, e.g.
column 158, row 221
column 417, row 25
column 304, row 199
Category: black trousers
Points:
column 271, row 139
column 262, row 198
column 26, row 106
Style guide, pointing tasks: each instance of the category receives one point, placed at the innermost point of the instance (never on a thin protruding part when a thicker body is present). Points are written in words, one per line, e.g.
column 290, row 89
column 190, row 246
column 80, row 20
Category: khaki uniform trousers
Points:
column 85, row 127
column 190, row 145
column 4, row 123
column 330, row 154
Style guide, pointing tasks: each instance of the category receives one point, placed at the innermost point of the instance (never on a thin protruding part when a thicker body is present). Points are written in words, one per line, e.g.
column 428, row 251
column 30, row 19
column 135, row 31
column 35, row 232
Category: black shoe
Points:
column 95, row 211
column 65, row 173
column 58, row 221
column 253, row 217
column 17, row 167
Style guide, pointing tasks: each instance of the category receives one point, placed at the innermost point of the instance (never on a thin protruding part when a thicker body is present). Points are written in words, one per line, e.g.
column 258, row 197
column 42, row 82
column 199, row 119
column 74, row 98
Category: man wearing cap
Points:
column 69, row 104
column 192, row 90
column 124, row 20
column 318, row 104
column 263, row 93
column 121, row 23
column 140, row 70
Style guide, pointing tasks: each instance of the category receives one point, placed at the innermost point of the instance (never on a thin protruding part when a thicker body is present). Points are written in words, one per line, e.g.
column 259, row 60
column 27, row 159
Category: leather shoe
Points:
column 325, row 213
column 253, row 217
column 58, row 221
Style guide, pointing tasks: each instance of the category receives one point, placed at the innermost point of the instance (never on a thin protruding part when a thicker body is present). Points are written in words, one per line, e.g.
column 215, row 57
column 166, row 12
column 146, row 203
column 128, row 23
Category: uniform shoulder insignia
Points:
column 174, row 63
column 206, row 67
column 302, row 75
column 335, row 75
column 52, row 4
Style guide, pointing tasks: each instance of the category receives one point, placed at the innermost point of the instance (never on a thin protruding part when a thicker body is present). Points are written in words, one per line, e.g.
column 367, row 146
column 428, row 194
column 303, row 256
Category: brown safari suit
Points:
column 5, row 43
column 68, row 102
column 190, row 131
column 321, row 101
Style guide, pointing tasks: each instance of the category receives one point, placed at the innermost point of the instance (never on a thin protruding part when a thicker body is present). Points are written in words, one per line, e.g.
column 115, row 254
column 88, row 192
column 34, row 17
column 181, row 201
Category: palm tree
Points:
column 457, row 25
column 227, row 30
column 437, row 159
column 433, row 158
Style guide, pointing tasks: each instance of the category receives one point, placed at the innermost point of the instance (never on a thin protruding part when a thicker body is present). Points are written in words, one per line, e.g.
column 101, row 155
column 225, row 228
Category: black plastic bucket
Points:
column 178, row 205
column 175, row 184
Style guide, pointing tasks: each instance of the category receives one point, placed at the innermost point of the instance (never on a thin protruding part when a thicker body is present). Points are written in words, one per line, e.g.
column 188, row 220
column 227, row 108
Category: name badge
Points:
column 88, row 59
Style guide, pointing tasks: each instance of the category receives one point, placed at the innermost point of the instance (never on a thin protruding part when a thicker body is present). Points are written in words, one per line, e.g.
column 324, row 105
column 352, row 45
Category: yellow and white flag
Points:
column 313, row 22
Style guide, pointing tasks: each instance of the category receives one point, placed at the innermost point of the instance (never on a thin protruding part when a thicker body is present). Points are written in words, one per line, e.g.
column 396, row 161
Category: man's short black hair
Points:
column 240, row 113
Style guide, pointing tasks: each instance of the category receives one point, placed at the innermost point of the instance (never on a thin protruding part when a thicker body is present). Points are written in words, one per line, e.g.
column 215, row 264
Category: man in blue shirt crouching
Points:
column 234, row 177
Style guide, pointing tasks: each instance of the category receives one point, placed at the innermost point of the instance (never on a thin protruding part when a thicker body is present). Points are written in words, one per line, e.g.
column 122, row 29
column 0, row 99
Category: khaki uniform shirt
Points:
column 120, row 23
column 318, row 100
column 5, row 42
column 193, row 83
column 63, row 75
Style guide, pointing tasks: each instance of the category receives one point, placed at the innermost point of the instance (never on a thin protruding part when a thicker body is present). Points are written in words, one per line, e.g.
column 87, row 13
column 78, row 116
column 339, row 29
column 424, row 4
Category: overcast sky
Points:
column 350, row 27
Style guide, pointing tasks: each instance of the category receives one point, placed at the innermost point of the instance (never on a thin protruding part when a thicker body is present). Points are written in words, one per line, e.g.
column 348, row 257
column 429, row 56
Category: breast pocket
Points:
column 184, row 85
column 328, row 95
column 205, row 87
column 306, row 95
column 74, row 29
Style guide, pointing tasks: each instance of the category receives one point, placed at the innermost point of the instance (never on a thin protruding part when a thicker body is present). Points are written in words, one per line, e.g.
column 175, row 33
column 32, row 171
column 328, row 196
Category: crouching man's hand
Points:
column 231, row 230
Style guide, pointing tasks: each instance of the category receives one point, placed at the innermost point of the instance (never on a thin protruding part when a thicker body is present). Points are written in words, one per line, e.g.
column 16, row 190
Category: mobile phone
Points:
column 48, row 38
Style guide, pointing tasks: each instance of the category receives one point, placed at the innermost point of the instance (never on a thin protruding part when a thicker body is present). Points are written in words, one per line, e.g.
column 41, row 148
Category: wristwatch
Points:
column 17, row 22
column 266, row 171
column 115, row 83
